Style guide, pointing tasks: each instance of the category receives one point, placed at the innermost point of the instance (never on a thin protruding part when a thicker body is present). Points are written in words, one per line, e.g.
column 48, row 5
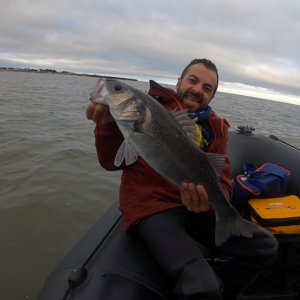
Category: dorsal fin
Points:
column 217, row 161
column 179, row 112
column 187, row 124
column 189, row 129
column 191, row 136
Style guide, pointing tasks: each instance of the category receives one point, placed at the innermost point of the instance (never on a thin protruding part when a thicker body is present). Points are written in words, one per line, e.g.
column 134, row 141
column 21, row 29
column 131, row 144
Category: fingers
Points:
column 90, row 111
column 194, row 197
column 204, row 203
column 99, row 113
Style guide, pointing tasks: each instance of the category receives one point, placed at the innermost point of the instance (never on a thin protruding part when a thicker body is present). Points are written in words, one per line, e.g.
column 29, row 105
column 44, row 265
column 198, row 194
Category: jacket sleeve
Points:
column 108, row 141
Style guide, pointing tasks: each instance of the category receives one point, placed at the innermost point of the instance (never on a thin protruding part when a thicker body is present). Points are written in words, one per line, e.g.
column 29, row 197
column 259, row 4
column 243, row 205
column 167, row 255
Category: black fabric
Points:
column 170, row 236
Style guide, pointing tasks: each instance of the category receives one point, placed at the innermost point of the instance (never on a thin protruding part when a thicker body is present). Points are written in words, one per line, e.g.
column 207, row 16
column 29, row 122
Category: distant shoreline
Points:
column 49, row 71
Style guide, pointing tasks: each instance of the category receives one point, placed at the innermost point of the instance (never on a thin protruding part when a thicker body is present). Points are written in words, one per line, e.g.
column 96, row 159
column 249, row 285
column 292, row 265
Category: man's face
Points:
column 197, row 87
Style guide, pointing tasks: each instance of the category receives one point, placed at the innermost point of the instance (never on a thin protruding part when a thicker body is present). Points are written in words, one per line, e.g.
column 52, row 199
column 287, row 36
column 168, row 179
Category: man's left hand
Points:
column 194, row 197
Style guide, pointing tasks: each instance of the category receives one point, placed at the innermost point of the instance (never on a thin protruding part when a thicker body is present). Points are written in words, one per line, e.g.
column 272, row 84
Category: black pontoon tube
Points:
column 78, row 275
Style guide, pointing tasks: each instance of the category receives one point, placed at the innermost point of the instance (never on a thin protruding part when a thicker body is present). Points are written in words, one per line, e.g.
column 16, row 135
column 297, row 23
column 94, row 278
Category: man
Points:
column 168, row 220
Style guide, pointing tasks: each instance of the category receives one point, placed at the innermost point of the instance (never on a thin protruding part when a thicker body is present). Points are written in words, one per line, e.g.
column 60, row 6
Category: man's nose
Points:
column 198, row 89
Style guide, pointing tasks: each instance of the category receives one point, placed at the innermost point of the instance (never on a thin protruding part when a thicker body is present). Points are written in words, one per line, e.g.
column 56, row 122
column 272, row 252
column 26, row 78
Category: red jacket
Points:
column 143, row 191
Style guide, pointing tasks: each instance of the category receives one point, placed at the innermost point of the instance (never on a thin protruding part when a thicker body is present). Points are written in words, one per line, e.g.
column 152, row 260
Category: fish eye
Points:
column 118, row 87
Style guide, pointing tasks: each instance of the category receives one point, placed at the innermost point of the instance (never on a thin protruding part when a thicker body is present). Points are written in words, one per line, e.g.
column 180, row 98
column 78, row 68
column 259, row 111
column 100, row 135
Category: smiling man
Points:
column 197, row 85
column 170, row 220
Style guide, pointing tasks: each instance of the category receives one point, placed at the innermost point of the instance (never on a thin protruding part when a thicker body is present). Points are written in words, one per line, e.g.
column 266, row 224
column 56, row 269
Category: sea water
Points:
column 52, row 188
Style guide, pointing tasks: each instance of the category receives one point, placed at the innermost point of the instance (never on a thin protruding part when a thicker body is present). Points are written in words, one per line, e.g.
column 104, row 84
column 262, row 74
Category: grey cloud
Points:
column 158, row 38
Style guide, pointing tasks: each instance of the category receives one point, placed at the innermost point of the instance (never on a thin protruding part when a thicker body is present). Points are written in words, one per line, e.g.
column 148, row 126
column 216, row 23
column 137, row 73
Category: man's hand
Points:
column 99, row 113
column 194, row 197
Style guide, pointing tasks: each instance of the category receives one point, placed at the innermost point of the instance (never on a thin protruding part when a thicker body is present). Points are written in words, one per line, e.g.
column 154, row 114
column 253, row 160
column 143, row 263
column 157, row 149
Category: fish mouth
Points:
column 99, row 92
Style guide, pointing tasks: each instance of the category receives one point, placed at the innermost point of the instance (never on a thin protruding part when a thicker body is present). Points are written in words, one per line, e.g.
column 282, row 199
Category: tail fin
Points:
column 232, row 226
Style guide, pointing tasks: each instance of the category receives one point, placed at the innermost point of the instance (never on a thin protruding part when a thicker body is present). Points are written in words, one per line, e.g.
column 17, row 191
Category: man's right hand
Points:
column 99, row 113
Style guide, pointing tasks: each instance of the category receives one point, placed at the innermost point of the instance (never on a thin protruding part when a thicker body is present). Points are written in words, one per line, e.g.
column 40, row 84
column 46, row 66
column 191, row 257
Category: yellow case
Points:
column 278, row 215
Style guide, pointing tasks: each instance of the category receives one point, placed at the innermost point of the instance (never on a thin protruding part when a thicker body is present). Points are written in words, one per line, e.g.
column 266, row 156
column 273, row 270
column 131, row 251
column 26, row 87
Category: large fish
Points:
column 164, row 140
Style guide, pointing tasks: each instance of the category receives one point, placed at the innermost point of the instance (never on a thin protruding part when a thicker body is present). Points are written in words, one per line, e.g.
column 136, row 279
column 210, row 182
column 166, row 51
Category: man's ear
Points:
column 178, row 83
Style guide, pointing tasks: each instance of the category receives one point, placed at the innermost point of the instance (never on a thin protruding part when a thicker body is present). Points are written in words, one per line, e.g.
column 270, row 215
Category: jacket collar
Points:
column 165, row 96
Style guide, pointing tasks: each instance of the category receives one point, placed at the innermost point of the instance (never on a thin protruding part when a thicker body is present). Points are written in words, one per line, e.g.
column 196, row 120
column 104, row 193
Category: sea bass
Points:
column 165, row 140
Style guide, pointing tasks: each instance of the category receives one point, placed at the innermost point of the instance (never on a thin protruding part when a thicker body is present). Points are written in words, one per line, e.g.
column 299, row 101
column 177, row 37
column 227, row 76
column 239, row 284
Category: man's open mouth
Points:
column 192, row 99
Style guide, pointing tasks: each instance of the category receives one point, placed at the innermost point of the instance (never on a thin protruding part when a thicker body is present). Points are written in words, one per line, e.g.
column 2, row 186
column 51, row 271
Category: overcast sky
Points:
column 254, row 43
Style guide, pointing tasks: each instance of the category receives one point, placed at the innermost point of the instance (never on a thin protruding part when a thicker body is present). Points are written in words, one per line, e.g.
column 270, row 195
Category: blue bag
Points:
column 268, row 181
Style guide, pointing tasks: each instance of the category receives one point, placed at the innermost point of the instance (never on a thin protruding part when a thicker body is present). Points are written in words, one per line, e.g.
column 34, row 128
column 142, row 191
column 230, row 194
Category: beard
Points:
column 193, row 101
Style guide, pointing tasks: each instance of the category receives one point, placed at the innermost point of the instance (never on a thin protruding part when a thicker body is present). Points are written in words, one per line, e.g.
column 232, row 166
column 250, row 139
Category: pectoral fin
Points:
column 127, row 152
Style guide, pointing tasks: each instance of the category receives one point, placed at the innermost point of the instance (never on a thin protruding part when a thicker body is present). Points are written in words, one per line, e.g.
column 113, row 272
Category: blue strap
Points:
column 198, row 114
column 249, row 167
column 266, row 175
column 271, row 169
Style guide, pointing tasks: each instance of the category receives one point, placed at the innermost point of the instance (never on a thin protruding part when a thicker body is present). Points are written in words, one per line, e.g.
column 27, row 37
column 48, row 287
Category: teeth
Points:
column 192, row 99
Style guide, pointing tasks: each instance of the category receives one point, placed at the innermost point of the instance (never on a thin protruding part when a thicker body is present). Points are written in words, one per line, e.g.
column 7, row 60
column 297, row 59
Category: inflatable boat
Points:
column 109, row 264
